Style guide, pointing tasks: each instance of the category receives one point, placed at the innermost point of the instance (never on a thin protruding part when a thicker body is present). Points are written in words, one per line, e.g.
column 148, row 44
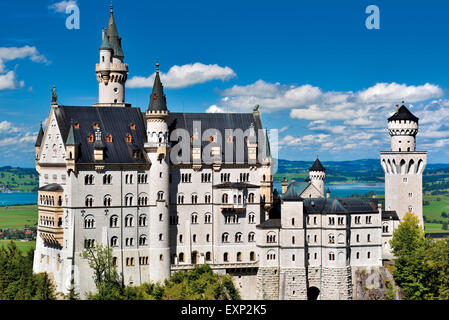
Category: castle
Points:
column 167, row 191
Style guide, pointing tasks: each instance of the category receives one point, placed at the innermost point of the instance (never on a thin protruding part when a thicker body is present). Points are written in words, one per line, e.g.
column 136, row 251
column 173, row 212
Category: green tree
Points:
column 105, row 275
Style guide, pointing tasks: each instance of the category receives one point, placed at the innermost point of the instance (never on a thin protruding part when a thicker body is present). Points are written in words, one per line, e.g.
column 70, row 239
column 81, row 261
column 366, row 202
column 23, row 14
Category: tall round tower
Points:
column 403, row 165
column 157, row 148
column 317, row 175
column 112, row 72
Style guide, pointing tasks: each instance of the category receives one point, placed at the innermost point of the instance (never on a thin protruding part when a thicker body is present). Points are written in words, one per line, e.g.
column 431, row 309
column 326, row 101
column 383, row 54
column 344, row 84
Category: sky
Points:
column 324, row 80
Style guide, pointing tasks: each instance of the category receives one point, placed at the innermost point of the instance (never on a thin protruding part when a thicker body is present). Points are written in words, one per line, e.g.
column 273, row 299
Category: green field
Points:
column 23, row 246
column 18, row 179
column 17, row 217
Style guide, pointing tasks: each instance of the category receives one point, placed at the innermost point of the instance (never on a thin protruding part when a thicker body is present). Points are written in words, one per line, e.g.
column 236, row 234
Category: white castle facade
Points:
column 107, row 175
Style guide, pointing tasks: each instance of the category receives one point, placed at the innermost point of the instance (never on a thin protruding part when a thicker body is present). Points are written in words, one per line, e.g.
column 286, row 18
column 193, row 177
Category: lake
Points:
column 8, row 199
column 348, row 189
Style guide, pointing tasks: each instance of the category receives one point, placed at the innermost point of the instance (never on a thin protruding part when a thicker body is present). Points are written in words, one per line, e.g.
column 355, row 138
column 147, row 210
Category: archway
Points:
column 313, row 293
column 194, row 257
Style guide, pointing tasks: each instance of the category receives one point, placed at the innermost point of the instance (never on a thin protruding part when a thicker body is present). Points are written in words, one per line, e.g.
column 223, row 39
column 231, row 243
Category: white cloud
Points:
column 13, row 53
column 8, row 81
column 59, row 7
column 393, row 93
column 214, row 109
column 283, row 129
column 184, row 76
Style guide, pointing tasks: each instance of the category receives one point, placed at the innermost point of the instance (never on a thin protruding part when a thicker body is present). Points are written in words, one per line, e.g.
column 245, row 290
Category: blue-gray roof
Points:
column 339, row 205
column 294, row 190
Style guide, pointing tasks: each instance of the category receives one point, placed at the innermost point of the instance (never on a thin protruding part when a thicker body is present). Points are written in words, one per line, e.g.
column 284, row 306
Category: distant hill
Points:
column 18, row 179
column 436, row 175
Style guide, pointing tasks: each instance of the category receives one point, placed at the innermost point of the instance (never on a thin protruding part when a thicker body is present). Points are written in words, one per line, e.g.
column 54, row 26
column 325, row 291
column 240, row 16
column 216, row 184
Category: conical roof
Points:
column 317, row 166
column 403, row 114
column 105, row 45
column 113, row 37
column 40, row 136
column 71, row 137
column 158, row 101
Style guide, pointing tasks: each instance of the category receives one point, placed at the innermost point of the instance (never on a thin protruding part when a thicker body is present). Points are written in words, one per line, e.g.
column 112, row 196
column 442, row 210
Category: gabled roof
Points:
column 338, row 205
column 40, row 135
column 403, row 114
column 112, row 120
column 317, row 166
column 294, row 190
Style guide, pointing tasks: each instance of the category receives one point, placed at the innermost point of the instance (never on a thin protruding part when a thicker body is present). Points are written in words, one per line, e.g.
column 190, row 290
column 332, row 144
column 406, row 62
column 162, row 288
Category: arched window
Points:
column 89, row 201
column 208, row 256
column 107, row 200
column 181, row 257
column 113, row 221
column 194, row 218
column 128, row 200
column 251, row 237
column 208, row 218
column 251, row 198
column 331, row 238
column 252, row 256
column 114, row 242
column 225, row 237
column 160, row 196
column 252, row 218
column 143, row 220
column 143, row 240
column 239, row 256
column 224, row 198
column 89, row 222
column 129, row 221
column 238, row 237
column 225, row 257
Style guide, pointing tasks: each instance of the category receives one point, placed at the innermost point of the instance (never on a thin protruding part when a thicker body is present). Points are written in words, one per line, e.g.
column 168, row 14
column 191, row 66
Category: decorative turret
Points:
column 403, row 165
column 98, row 146
column 403, row 128
column 317, row 175
column 71, row 149
column 157, row 149
column 111, row 71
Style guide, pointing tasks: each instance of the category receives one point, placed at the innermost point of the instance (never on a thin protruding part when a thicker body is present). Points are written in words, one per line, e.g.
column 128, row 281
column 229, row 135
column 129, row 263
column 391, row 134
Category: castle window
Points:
column 114, row 242
column 194, row 218
column 161, row 237
column 211, row 139
column 331, row 221
column 251, row 198
column 143, row 240
column 89, row 222
column 194, row 198
column 89, row 243
column 180, row 198
column 224, row 198
column 89, row 179
column 91, row 138
column 225, row 257
column 128, row 200
column 161, row 257
column 385, row 228
column 95, row 126
column 410, row 195
column 208, row 218
column 143, row 260
column 369, row 255
column 107, row 200
column 133, row 126
column 404, row 180
column 331, row 256
column 331, row 239
column 142, row 220
column 77, row 125
column 194, row 238
column 314, row 220
column 109, row 138
column 251, row 237
column 293, row 240
column 113, row 221
column 357, row 238
column 368, row 219
column 357, row 255
column 207, row 198
column 271, row 238
column 252, row 256
column 180, row 238
column 251, row 218
column 368, row 238
column 89, row 201
column 208, row 256
column 293, row 257
column 129, row 221
column 160, row 196
column 107, row 179
column 207, row 237
column 129, row 138
column 239, row 256
column 238, row 237
column 181, row 257
column 225, row 238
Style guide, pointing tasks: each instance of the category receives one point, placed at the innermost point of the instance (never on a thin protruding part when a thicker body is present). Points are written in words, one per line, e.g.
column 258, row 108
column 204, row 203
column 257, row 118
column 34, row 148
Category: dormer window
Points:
column 212, row 139
column 129, row 138
column 230, row 139
column 91, row 138
column 77, row 125
column 155, row 96
column 109, row 138
column 95, row 126
column 132, row 126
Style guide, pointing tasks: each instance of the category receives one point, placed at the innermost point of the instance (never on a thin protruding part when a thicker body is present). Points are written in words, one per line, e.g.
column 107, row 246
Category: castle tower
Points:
column 157, row 148
column 112, row 72
column 403, row 166
column 317, row 174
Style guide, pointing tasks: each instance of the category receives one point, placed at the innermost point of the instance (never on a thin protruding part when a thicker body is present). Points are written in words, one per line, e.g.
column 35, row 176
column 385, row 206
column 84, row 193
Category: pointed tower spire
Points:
column 40, row 135
column 158, row 100
column 71, row 136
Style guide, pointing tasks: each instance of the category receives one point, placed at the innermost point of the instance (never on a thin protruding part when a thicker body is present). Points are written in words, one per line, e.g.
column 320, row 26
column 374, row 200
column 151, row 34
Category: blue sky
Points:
column 320, row 76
